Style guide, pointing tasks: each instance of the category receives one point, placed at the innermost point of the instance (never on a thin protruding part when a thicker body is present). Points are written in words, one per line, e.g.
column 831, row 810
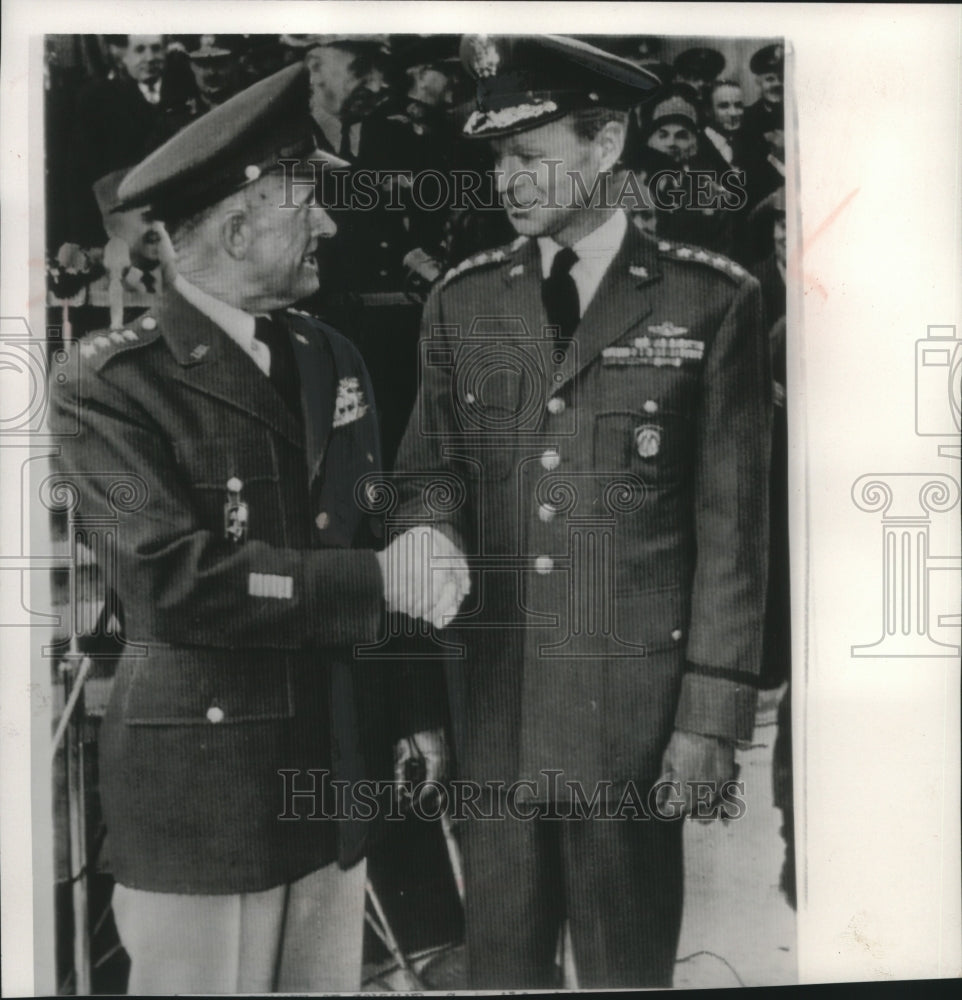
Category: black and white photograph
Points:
column 432, row 507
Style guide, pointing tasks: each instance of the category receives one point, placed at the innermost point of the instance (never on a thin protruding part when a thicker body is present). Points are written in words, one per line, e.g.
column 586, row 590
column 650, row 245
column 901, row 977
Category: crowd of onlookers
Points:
column 707, row 166
column 708, row 161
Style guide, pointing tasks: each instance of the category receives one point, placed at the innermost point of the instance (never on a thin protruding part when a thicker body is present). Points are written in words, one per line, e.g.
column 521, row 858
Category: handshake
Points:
column 425, row 575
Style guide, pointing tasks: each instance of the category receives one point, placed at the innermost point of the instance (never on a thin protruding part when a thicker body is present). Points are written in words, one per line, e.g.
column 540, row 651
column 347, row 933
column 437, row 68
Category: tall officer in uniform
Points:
column 605, row 400
column 228, row 436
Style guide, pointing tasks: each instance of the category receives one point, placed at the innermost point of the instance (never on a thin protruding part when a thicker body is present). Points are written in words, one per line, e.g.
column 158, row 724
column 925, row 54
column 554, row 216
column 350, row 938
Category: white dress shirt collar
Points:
column 720, row 142
column 237, row 324
column 333, row 129
column 595, row 253
column 151, row 91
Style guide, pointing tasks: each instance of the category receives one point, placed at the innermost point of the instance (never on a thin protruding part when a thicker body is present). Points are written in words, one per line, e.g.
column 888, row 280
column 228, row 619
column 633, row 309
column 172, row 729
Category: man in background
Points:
column 118, row 120
column 762, row 136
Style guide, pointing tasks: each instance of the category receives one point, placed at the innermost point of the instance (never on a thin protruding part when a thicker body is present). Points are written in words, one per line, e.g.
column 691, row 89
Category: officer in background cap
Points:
column 369, row 289
column 763, row 128
column 673, row 127
column 348, row 81
column 432, row 75
column 261, row 56
column 215, row 65
column 421, row 137
column 240, row 430
column 605, row 398
column 697, row 68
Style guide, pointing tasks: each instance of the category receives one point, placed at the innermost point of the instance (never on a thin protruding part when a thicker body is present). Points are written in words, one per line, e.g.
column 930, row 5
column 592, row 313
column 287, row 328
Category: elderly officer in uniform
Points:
column 605, row 401
column 234, row 434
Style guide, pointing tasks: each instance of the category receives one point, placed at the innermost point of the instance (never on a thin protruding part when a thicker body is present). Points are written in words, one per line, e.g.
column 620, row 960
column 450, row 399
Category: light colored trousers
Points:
column 305, row 937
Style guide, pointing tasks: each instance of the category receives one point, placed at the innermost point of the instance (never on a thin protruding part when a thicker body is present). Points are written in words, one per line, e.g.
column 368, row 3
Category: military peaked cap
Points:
column 699, row 64
column 227, row 148
column 526, row 81
column 768, row 59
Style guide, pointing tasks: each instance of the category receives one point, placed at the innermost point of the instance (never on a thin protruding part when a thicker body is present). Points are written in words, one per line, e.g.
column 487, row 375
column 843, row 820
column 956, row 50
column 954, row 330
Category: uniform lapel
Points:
column 318, row 387
column 521, row 297
column 212, row 363
column 620, row 303
column 521, row 272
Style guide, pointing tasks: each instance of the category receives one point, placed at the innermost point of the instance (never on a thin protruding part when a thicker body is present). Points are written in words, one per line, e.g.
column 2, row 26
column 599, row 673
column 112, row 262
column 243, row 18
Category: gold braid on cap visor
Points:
column 482, row 121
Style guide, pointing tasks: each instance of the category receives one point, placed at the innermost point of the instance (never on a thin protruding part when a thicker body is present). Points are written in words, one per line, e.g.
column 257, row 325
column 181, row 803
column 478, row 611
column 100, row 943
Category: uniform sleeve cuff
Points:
column 716, row 706
column 346, row 598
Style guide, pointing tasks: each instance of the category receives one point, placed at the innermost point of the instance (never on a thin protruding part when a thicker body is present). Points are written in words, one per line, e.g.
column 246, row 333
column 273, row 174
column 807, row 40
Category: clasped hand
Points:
column 425, row 575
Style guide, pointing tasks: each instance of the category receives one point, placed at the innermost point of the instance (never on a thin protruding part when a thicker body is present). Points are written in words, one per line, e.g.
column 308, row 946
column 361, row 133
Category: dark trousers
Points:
column 618, row 882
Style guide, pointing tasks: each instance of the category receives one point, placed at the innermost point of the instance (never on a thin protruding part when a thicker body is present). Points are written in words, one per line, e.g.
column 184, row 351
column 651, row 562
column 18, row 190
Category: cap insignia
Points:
column 485, row 57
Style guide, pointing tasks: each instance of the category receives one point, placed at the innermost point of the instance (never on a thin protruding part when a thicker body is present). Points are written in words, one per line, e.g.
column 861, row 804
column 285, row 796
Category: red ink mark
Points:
column 833, row 215
column 812, row 283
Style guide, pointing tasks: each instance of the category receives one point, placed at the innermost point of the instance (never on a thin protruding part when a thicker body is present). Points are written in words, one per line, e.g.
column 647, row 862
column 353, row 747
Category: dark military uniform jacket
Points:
column 612, row 500
column 752, row 149
column 238, row 660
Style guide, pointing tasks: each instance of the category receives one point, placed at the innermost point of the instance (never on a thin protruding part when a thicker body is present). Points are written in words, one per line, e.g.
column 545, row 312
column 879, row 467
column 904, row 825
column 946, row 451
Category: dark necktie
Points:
column 344, row 152
column 560, row 294
column 283, row 371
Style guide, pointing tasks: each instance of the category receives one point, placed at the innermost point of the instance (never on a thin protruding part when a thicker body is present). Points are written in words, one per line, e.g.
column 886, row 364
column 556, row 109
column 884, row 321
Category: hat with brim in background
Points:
column 227, row 148
column 212, row 49
column 673, row 110
column 699, row 64
column 437, row 51
column 768, row 59
column 523, row 82
column 304, row 43
column 642, row 50
column 769, row 208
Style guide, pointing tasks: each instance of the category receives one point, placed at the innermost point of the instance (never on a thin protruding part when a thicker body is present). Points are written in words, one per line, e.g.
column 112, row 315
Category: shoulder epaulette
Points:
column 699, row 255
column 102, row 345
column 495, row 256
column 472, row 263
